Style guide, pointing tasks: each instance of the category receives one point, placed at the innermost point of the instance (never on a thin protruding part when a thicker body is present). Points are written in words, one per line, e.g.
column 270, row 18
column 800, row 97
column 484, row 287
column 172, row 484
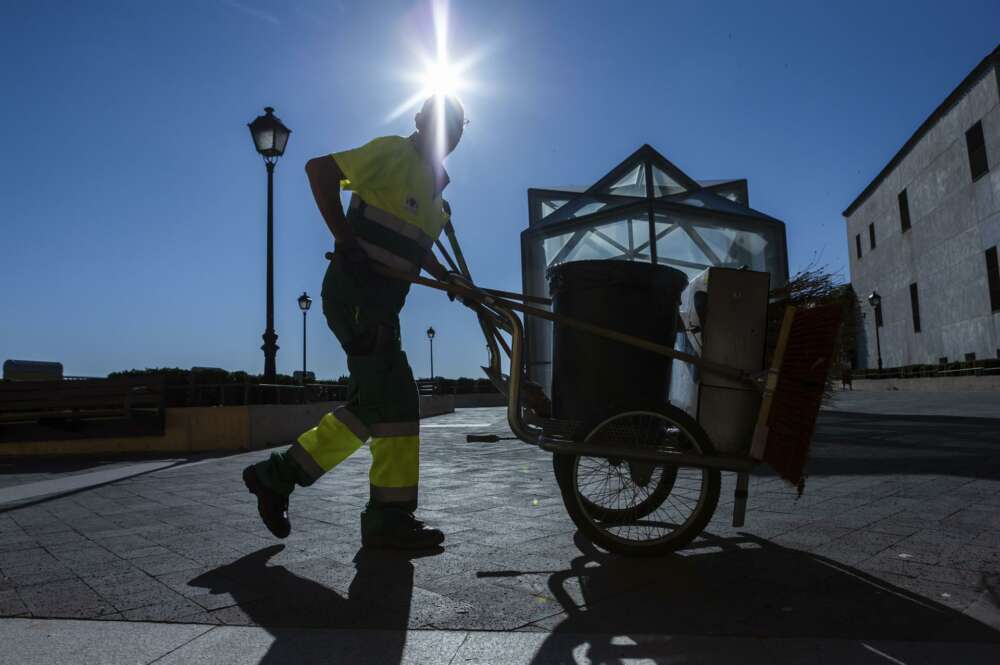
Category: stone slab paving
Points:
column 979, row 404
column 46, row 641
column 896, row 540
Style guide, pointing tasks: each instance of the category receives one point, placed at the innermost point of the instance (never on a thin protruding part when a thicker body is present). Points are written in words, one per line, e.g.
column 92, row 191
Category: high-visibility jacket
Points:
column 396, row 208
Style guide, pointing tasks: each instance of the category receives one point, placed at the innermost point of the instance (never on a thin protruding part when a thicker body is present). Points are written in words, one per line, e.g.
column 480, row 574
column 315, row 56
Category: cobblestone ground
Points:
column 897, row 537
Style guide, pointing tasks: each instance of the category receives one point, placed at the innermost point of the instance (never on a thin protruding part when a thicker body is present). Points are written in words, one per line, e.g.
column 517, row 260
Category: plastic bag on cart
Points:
column 684, row 378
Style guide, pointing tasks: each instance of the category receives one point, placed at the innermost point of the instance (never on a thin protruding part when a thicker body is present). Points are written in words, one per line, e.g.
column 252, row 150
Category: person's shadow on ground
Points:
column 287, row 604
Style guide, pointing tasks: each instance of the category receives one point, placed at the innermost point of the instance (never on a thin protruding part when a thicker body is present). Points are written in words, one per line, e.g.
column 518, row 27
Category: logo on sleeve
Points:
column 411, row 205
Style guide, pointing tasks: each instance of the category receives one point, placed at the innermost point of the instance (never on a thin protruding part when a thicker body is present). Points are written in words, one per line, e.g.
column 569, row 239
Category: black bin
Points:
column 594, row 378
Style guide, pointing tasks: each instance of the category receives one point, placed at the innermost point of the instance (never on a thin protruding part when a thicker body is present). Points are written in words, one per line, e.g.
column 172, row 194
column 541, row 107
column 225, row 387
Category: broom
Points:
column 794, row 389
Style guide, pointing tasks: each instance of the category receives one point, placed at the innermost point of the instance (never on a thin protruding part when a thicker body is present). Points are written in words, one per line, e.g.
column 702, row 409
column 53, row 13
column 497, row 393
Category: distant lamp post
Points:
column 270, row 136
column 875, row 300
column 304, row 303
column 430, row 337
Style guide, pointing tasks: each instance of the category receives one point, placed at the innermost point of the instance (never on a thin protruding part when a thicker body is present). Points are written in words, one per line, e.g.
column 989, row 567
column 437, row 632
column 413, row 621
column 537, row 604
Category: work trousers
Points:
column 382, row 399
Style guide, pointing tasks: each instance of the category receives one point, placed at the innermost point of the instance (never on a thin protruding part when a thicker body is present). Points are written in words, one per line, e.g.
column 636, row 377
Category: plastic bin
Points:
column 594, row 378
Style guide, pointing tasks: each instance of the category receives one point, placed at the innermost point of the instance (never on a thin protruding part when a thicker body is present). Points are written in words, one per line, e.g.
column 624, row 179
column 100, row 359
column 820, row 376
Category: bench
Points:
column 88, row 408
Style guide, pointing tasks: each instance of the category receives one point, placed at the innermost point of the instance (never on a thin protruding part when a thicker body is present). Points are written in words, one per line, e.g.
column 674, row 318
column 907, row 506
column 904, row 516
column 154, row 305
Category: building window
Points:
column 857, row 244
column 976, row 145
column 904, row 211
column 871, row 235
column 878, row 316
column 993, row 278
column 915, row 307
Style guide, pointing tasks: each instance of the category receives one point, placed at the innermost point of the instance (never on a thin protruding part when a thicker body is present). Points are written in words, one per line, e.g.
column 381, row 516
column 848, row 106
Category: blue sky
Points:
column 133, row 220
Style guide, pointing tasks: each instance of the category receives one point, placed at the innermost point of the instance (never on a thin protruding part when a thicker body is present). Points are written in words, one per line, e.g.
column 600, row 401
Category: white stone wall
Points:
column 954, row 221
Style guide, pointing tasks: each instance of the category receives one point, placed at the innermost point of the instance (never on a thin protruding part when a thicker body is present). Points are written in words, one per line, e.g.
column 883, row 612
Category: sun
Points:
column 441, row 78
column 438, row 73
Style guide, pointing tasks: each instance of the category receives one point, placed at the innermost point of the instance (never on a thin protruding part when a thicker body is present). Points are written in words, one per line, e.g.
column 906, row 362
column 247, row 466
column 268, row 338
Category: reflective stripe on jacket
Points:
column 387, row 238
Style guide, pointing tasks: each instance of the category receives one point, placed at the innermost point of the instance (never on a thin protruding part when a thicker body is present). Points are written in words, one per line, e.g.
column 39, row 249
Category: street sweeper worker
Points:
column 395, row 215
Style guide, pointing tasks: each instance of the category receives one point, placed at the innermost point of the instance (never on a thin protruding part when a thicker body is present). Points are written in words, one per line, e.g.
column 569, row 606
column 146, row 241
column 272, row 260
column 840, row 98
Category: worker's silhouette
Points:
column 273, row 597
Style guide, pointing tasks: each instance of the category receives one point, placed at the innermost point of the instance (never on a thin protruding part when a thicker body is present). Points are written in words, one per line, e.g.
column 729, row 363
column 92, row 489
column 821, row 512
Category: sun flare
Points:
column 437, row 73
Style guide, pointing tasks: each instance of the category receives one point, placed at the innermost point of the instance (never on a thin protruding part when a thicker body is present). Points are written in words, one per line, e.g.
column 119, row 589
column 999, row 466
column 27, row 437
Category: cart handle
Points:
column 487, row 297
column 509, row 295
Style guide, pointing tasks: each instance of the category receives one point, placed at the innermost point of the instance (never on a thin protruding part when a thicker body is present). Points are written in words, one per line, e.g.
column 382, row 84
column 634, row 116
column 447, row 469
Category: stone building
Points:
column 924, row 234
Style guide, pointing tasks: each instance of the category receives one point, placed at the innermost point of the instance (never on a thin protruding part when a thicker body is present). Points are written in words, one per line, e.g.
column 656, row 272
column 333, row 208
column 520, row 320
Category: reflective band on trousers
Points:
column 395, row 469
column 331, row 442
column 394, row 494
column 393, row 223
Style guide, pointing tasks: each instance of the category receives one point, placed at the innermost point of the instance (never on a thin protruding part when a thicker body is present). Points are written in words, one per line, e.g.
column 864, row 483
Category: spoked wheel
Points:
column 640, row 508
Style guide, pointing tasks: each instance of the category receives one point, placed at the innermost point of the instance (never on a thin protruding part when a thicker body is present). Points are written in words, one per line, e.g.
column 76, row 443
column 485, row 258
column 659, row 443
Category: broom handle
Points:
column 660, row 349
column 760, row 431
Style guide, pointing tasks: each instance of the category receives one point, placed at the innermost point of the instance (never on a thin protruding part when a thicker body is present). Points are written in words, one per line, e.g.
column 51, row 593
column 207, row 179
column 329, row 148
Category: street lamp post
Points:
column 875, row 300
column 304, row 303
column 270, row 136
column 430, row 337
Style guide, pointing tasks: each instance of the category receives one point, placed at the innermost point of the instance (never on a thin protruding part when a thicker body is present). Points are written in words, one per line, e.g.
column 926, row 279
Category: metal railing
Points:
column 438, row 386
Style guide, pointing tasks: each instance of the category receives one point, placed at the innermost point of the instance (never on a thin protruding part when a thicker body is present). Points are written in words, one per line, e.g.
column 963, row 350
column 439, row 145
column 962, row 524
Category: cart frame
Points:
column 496, row 313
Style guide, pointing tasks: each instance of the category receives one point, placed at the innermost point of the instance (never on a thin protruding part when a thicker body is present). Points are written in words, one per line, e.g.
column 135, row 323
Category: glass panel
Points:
column 584, row 205
column 550, row 206
column 675, row 248
column 264, row 138
column 732, row 194
column 280, row 140
column 633, row 184
column 622, row 240
column 692, row 244
column 664, row 185
column 553, row 245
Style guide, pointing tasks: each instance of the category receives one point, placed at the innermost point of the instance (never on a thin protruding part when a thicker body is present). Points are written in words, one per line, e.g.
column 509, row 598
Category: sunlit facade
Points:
column 645, row 209
column 925, row 235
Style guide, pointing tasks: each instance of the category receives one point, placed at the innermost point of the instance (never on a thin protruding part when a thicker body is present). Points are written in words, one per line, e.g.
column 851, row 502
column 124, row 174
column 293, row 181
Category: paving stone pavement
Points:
column 896, row 539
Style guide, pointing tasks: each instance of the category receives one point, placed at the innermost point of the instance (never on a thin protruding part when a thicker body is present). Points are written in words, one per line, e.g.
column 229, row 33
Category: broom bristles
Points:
column 801, row 383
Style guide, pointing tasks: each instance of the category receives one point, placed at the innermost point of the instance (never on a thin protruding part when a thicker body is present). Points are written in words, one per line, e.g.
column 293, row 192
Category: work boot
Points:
column 395, row 528
column 272, row 506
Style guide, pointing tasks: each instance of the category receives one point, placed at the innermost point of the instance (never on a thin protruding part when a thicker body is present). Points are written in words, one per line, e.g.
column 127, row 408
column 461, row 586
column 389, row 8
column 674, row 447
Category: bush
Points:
column 176, row 376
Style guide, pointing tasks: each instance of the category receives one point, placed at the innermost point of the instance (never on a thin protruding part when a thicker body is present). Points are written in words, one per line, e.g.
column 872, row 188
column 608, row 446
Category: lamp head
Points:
column 305, row 302
column 270, row 136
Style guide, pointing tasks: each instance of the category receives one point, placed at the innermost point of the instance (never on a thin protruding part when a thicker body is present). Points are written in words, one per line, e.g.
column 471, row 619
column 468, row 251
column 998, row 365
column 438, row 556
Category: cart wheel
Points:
column 657, row 479
column 639, row 508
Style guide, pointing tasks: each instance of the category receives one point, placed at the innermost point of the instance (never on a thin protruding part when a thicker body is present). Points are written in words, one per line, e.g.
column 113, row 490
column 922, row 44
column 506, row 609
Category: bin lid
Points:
column 582, row 275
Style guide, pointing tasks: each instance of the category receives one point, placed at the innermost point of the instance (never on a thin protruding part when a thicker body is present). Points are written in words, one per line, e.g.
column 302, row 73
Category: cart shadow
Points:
column 617, row 609
column 284, row 603
column 850, row 443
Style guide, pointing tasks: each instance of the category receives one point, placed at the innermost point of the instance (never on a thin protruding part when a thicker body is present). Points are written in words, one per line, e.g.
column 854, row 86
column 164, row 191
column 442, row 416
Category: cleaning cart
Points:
column 660, row 384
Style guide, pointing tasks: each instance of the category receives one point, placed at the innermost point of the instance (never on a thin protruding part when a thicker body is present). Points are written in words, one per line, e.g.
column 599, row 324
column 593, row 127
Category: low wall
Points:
column 205, row 428
column 186, row 430
column 473, row 400
column 934, row 384
column 277, row 424
column 436, row 405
